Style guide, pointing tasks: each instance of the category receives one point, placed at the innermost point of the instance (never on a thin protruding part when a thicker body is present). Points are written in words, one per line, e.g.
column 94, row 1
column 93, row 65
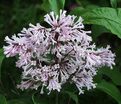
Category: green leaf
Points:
column 113, row 3
column 114, row 75
column 1, row 56
column 78, row 10
column 33, row 100
column 97, row 30
column 40, row 99
column 21, row 100
column 10, row 76
column 2, row 99
column 73, row 96
column 82, row 2
column 1, row 59
column 56, row 5
column 62, row 4
column 45, row 6
column 107, row 17
column 16, row 101
column 110, row 89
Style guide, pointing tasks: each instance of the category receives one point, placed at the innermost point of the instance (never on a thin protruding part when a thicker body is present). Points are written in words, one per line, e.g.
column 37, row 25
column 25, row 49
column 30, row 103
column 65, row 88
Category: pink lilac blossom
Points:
column 50, row 57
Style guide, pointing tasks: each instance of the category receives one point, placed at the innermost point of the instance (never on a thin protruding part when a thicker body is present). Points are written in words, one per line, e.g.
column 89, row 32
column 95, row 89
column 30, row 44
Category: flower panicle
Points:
column 62, row 53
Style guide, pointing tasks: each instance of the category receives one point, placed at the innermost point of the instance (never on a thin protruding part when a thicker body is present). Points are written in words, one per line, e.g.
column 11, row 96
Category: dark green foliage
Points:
column 3, row 99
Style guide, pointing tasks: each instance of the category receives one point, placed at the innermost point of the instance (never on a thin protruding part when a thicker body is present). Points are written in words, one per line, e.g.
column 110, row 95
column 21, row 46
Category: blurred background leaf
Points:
column 110, row 89
column 1, row 59
column 73, row 96
column 113, row 74
column 2, row 99
column 56, row 5
column 98, row 30
column 113, row 3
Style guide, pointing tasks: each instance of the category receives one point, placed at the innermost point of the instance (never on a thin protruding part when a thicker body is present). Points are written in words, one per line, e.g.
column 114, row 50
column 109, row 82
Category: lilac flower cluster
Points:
column 61, row 53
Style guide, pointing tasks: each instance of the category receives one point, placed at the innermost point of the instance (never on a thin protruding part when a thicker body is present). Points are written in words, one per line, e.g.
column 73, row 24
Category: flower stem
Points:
column 57, row 98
